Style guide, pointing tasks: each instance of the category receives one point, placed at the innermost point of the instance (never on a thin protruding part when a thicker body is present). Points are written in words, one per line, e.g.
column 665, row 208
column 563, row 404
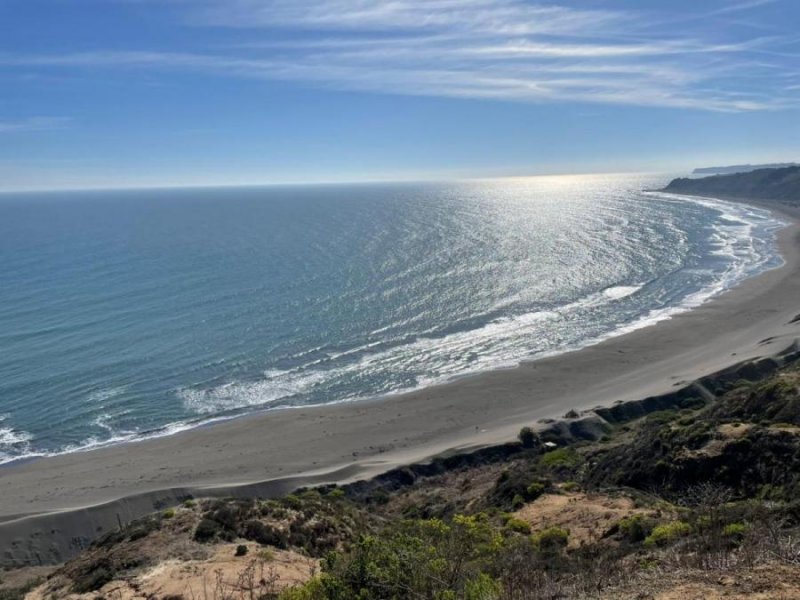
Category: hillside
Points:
column 779, row 185
column 739, row 168
column 688, row 495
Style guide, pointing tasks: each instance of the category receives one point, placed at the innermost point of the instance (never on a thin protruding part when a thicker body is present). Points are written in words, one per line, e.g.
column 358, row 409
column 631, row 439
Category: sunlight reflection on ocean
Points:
column 140, row 313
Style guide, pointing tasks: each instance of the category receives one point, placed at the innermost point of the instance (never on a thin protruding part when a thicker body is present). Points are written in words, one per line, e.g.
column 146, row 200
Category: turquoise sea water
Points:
column 129, row 314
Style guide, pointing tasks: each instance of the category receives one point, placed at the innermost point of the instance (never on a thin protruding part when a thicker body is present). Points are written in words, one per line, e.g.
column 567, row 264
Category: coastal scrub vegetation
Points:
column 696, row 493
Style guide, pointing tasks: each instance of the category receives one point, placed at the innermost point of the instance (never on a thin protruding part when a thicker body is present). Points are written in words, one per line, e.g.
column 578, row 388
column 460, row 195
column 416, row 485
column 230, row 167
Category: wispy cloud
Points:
column 497, row 17
column 739, row 6
column 487, row 49
column 33, row 124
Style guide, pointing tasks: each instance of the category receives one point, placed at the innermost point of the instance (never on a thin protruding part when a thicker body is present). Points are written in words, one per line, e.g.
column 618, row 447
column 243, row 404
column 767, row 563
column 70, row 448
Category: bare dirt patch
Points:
column 223, row 574
column 778, row 582
column 586, row 516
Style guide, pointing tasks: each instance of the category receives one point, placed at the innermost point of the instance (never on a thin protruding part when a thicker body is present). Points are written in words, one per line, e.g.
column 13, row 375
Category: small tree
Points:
column 707, row 501
column 528, row 437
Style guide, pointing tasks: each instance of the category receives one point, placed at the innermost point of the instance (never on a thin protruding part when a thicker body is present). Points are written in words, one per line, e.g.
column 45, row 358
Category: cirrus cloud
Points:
column 481, row 49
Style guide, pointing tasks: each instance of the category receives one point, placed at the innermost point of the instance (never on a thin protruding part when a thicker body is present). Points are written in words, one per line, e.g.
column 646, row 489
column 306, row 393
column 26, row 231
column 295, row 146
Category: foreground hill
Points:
column 688, row 495
column 779, row 185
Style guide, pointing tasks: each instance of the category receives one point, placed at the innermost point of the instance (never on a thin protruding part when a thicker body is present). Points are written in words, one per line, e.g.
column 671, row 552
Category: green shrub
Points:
column 241, row 550
column 168, row 514
column 768, row 491
column 534, row 490
column 266, row 535
column 635, row 528
column 138, row 533
column 551, row 540
column 434, row 559
column 482, row 587
column 379, row 496
column 524, row 482
column 661, row 417
column 527, row 437
column 735, row 530
column 692, row 403
column 292, row 501
column 518, row 525
column 561, row 457
column 207, row 530
column 266, row 555
column 571, row 486
column 314, row 589
column 669, row 532
column 93, row 580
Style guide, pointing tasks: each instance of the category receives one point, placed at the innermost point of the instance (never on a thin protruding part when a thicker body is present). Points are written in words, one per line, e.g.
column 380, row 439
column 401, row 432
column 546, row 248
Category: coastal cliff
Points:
column 689, row 494
column 770, row 185
column 739, row 169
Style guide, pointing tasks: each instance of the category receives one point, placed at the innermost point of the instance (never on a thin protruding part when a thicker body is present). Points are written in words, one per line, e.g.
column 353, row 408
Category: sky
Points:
column 128, row 93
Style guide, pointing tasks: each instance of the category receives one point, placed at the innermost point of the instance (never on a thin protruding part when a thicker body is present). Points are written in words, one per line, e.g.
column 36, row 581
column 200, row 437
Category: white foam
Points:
column 621, row 291
column 503, row 342
column 94, row 443
column 735, row 234
column 13, row 442
column 737, row 238
column 11, row 437
column 276, row 385
column 105, row 394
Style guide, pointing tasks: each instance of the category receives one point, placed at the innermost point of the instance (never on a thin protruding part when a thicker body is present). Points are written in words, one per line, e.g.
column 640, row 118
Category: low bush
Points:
column 518, row 525
column 735, row 531
column 207, row 530
column 561, row 457
column 266, row 555
column 414, row 559
column 266, row 535
column 534, row 490
column 635, row 528
column 528, row 437
column 143, row 528
column 667, row 533
column 93, row 580
column 551, row 540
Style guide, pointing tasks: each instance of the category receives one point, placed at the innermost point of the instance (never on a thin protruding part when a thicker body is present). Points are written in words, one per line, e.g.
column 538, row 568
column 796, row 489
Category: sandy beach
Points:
column 50, row 506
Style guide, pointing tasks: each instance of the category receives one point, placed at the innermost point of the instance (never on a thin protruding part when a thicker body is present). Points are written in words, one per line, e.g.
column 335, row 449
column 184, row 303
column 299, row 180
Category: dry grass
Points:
column 586, row 516
column 221, row 576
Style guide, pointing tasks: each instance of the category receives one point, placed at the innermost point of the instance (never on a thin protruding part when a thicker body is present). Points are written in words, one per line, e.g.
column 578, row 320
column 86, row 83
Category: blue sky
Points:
column 108, row 93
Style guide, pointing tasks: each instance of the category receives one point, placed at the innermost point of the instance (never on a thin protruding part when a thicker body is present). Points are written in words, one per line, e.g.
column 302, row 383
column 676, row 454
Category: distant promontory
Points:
column 777, row 185
column 729, row 170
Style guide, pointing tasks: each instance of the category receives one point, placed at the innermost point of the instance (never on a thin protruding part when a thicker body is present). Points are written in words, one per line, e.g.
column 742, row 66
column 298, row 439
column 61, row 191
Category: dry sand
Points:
column 49, row 508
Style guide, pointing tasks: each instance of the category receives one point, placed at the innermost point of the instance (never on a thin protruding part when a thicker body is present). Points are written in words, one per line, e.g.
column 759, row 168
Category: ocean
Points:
column 133, row 314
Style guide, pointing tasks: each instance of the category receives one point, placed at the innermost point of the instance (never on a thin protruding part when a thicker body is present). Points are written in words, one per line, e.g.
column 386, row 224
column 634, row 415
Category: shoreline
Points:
column 275, row 451
column 650, row 319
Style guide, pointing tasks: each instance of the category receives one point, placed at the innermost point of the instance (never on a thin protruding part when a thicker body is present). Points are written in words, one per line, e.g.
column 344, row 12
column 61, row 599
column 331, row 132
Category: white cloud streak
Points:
column 484, row 49
column 33, row 124
column 496, row 17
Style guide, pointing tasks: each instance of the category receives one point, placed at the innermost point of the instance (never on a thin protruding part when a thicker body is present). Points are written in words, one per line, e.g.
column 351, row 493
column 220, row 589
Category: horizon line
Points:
column 333, row 182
